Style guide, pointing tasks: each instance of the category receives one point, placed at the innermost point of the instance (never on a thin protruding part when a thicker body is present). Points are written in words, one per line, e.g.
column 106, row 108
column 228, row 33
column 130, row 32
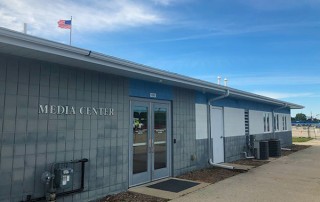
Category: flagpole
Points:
column 70, row 30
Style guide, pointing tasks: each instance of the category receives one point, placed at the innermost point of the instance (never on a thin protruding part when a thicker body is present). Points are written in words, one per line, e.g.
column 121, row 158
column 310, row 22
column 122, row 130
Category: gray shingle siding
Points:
column 30, row 141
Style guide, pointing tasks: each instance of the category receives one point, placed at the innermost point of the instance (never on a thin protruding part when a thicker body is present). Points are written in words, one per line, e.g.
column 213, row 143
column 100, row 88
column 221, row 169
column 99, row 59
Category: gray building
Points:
column 71, row 111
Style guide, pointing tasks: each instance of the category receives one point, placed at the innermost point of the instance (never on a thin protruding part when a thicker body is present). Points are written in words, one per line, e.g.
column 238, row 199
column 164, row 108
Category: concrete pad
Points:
column 143, row 189
column 292, row 178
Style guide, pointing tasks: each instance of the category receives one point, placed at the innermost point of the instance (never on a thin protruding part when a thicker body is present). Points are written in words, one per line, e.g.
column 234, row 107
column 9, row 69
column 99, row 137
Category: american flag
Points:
column 64, row 24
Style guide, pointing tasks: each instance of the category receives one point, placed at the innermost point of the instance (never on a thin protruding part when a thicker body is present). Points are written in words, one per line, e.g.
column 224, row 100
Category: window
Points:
column 266, row 122
column 276, row 122
column 284, row 122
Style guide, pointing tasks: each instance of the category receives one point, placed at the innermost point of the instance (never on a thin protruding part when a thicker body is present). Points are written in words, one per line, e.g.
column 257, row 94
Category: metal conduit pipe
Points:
column 248, row 157
column 273, row 122
column 220, row 165
column 210, row 153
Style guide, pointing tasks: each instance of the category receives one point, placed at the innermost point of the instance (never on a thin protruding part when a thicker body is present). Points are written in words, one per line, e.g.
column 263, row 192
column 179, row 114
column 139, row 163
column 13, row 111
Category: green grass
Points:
column 301, row 139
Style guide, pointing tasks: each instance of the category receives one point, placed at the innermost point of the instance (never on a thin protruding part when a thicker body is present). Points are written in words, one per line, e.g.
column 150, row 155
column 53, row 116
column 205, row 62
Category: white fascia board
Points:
column 28, row 41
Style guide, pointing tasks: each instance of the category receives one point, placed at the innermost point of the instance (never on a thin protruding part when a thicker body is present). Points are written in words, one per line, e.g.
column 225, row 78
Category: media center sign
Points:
column 71, row 110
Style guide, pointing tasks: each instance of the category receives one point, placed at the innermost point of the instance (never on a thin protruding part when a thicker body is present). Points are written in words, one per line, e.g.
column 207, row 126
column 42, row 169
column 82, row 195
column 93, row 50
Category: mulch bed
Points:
column 208, row 175
column 251, row 162
column 132, row 197
column 214, row 174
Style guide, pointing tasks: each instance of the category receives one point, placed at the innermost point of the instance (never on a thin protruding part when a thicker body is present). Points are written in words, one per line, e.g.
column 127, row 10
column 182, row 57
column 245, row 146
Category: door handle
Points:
column 221, row 137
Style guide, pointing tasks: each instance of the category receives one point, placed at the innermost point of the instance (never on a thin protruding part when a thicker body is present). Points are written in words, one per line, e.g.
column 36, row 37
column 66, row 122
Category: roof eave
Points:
column 101, row 61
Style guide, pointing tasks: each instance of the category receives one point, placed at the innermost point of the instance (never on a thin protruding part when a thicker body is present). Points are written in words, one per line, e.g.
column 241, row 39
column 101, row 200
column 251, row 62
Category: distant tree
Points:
column 300, row 117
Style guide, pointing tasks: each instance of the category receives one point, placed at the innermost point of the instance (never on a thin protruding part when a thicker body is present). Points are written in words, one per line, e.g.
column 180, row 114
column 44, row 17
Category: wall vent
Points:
column 246, row 121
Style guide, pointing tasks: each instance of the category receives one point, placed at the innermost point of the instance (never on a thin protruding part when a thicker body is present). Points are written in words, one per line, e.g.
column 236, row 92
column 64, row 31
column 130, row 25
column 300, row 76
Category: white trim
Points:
column 139, row 144
column 160, row 142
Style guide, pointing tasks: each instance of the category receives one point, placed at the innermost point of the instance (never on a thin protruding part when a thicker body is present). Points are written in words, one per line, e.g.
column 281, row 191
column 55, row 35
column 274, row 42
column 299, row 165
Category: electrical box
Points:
column 261, row 148
column 63, row 177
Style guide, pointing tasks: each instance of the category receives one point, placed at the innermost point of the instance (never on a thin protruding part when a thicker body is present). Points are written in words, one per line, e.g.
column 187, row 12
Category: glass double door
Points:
column 149, row 141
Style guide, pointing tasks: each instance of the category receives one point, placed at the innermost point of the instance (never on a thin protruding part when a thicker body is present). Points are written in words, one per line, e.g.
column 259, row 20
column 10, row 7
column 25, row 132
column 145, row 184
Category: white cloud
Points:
column 162, row 2
column 282, row 95
column 170, row 2
column 231, row 29
column 42, row 16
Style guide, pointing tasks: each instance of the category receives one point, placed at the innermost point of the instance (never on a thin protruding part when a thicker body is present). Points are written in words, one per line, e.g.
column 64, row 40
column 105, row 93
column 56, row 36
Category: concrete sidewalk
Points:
column 290, row 178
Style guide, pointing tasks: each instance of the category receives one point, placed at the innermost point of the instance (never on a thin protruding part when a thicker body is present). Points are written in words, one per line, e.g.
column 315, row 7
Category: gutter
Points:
column 246, row 156
column 210, row 152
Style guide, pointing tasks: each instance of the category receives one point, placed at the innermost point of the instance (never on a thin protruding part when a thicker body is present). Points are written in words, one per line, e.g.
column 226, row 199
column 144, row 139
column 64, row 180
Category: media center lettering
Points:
column 71, row 110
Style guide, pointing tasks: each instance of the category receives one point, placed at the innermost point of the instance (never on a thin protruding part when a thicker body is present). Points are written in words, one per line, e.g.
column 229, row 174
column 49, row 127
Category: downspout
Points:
column 210, row 154
column 273, row 122
column 246, row 156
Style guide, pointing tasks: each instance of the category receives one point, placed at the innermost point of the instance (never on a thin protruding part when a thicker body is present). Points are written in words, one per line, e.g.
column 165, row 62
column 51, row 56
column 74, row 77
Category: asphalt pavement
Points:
column 293, row 178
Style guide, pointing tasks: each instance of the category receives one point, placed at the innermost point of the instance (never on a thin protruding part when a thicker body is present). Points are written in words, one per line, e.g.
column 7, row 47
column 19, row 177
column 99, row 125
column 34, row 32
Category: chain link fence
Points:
column 306, row 131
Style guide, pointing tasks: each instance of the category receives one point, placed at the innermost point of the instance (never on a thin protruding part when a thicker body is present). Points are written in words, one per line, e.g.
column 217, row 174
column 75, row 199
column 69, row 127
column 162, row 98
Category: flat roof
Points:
column 24, row 45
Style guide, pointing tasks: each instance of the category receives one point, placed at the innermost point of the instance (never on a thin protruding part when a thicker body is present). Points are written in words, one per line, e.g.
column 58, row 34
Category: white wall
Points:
column 201, row 121
column 256, row 125
column 256, row 122
column 233, row 122
column 281, row 122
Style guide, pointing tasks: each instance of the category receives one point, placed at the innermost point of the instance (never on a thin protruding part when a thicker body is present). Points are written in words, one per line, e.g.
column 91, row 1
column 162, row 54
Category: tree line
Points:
column 303, row 118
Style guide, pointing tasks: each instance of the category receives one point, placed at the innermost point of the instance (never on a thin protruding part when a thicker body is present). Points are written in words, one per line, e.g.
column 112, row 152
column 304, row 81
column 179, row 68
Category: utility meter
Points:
column 63, row 177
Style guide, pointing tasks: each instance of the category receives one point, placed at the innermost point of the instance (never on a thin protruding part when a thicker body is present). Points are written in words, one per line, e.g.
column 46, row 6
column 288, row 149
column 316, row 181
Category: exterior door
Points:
column 150, row 141
column 217, row 134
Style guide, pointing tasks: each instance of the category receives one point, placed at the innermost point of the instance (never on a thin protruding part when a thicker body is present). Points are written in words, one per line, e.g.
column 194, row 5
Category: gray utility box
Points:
column 261, row 149
column 274, row 148
column 63, row 177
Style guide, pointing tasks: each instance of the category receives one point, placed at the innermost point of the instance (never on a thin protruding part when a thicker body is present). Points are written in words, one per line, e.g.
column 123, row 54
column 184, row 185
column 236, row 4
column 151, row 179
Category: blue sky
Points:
column 268, row 47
